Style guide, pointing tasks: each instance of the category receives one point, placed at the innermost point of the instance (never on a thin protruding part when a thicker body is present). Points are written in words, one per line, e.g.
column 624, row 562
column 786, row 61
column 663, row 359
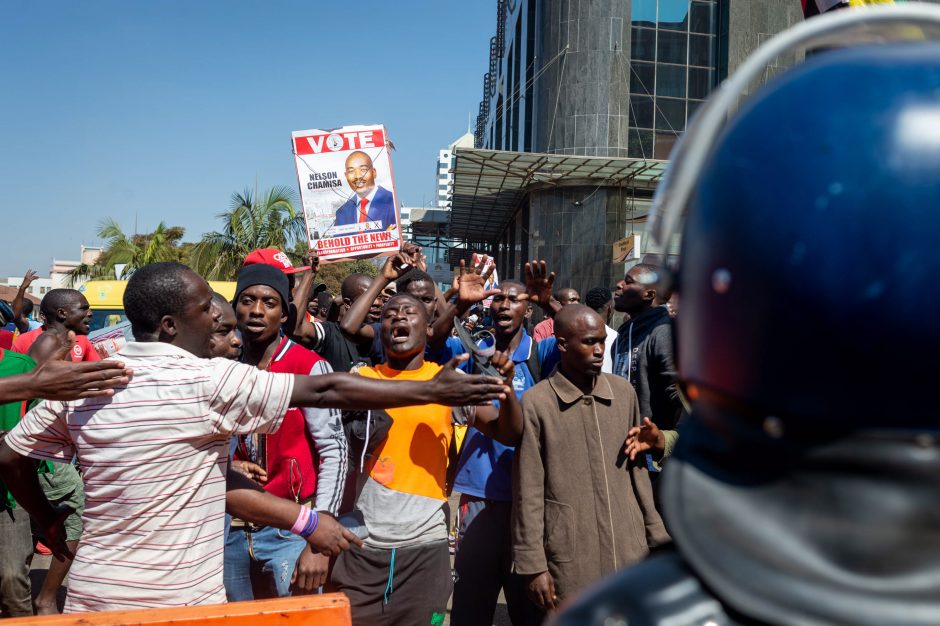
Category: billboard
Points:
column 347, row 191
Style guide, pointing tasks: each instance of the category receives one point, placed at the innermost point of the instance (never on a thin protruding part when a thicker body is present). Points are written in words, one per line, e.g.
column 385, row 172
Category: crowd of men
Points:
column 290, row 441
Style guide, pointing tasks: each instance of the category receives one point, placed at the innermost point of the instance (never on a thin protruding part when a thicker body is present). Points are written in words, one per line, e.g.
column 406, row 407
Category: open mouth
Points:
column 400, row 334
column 503, row 319
column 256, row 327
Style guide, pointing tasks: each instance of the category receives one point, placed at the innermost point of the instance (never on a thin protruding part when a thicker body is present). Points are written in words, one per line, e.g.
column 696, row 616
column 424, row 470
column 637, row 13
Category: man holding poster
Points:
column 370, row 203
column 348, row 194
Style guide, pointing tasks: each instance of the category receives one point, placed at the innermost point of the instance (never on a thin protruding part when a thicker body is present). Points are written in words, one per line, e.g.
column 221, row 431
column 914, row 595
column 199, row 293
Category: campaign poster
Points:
column 493, row 281
column 347, row 191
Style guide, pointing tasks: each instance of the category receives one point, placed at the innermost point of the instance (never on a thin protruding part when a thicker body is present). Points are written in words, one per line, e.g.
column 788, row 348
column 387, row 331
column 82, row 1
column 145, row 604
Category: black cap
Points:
column 260, row 274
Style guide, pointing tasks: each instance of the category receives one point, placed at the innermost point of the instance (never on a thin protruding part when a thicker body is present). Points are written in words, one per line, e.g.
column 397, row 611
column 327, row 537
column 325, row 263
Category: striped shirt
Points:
column 153, row 458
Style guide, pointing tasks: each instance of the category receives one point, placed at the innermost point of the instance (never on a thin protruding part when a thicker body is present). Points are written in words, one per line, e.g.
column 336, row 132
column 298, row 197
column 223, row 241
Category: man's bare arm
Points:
column 395, row 266
column 304, row 332
column 348, row 391
column 63, row 380
column 19, row 475
column 247, row 500
column 503, row 424
column 353, row 323
column 17, row 305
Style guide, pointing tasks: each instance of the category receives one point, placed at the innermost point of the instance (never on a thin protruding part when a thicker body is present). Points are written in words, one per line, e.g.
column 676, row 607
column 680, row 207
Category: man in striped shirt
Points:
column 154, row 454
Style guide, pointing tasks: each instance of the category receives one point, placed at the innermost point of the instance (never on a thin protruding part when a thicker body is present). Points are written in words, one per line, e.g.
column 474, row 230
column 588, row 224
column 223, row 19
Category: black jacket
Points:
column 644, row 355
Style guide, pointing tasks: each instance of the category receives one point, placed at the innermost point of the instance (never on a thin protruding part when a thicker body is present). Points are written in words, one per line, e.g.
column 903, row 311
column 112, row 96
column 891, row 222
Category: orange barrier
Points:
column 329, row 609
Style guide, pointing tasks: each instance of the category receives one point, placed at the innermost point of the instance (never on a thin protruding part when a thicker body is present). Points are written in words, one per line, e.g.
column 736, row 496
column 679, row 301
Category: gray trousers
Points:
column 16, row 554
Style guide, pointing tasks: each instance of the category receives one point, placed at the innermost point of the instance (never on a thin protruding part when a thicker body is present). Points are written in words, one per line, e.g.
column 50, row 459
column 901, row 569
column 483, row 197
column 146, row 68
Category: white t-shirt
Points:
column 609, row 344
column 153, row 458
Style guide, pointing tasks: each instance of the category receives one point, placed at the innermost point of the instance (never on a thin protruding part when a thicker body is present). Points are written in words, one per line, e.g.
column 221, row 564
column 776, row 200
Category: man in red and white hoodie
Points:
column 304, row 461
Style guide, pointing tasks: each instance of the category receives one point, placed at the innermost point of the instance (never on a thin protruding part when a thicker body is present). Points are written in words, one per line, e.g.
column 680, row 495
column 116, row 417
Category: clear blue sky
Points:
column 164, row 109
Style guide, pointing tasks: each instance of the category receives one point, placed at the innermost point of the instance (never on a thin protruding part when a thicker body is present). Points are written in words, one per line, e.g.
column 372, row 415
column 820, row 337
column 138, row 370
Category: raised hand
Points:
column 643, row 439
column 396, row 265
column 312, row 259
column 454, row 388
column 28, row 279
column 471, row 284
column 539, row 283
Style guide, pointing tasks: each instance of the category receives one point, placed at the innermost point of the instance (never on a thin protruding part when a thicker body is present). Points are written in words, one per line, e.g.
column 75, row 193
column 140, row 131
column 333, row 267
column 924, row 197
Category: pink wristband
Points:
column 302, row 518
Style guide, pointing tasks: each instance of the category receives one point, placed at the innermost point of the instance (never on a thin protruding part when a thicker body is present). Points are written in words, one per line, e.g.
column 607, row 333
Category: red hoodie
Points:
column 310, row 445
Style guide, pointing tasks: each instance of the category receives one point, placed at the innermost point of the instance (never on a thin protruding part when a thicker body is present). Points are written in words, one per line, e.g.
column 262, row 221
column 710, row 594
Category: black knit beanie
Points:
column 260, row 274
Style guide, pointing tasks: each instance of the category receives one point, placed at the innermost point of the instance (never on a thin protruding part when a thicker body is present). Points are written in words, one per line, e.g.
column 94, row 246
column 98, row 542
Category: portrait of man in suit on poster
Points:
column 370, row 202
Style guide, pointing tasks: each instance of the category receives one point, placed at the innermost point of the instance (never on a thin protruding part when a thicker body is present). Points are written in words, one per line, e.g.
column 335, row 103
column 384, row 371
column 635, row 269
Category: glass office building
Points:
column 600, row 90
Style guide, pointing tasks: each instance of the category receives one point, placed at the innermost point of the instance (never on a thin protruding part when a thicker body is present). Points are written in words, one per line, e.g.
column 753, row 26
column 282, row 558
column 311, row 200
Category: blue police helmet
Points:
column 811, row 250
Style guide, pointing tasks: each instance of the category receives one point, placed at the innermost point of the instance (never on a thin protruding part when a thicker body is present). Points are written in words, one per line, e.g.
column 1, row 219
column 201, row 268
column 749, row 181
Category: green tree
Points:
column 133, row 251
column 333, row 274
column 266, row 221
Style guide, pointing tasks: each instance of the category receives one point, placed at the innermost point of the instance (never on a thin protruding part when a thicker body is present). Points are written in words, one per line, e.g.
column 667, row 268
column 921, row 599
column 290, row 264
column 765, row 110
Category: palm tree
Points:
column 132, row 251
column 269, row 221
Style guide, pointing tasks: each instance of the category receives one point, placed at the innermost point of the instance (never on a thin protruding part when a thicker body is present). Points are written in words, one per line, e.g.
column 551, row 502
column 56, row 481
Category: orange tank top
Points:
column 413, row 458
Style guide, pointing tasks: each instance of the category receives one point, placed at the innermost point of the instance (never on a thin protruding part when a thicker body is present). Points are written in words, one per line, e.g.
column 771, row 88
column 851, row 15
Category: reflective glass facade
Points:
column 673, row 66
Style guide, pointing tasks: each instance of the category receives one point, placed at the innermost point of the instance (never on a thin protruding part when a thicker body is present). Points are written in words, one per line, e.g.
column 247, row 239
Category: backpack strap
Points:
column 535, row 368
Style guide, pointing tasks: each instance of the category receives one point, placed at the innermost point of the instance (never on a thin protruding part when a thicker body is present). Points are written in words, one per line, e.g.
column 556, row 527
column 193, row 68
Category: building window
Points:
column 674, row 57
column 641, row 111
column 703, row 17
column 671, row 81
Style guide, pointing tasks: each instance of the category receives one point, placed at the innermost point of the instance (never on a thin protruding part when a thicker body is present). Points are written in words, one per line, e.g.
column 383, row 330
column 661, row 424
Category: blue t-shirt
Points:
column 485, row 466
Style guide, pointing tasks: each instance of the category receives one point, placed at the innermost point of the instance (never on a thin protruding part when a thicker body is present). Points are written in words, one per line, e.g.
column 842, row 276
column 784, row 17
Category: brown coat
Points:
column 581, row 510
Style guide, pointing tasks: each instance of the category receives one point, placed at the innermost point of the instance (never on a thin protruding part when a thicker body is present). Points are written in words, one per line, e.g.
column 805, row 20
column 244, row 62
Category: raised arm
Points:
column 17, row 305
column 348, row 391
column 395, row 266
column 304, row 332
column 540, row 283
column 470, row 290
column 503, row 424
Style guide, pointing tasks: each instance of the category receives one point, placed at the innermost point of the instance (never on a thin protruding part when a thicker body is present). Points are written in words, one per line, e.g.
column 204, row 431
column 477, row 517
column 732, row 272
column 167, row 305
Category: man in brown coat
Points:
column 581, row 508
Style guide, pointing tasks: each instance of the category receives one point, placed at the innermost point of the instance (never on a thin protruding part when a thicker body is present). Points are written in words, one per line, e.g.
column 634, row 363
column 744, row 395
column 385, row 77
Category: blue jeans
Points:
column 259, row 564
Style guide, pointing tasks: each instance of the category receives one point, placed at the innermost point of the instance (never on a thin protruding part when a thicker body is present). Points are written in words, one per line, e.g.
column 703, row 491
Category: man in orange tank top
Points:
column 403, row 574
